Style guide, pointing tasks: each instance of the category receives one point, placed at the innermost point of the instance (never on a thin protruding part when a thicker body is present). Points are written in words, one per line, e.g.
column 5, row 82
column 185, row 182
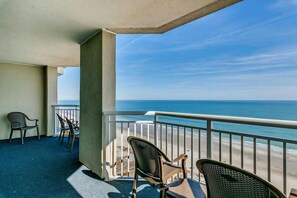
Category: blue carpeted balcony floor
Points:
column 47, row 168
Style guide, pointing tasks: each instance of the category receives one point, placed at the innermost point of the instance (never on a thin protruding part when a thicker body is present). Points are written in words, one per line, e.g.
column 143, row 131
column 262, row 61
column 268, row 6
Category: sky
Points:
column 245, row 52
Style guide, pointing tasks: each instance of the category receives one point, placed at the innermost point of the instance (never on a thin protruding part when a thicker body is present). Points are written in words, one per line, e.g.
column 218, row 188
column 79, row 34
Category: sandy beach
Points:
column 173, row 150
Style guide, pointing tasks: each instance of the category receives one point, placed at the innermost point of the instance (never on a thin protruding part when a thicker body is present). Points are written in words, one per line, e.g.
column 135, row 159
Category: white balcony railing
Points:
column 263, row 146
column 72, row 112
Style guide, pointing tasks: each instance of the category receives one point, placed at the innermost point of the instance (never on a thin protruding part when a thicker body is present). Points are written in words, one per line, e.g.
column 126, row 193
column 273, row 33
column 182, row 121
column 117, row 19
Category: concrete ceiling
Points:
column 49, row 32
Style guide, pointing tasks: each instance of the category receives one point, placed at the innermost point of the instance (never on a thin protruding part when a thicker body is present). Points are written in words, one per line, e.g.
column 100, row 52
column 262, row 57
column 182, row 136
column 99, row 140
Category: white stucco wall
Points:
column 23, row 88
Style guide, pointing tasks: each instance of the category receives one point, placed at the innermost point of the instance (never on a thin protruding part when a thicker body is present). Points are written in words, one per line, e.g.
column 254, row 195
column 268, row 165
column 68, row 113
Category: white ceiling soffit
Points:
column 49, row 32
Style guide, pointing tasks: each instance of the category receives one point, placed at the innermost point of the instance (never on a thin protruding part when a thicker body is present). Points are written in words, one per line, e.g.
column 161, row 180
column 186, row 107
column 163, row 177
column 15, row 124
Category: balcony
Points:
column 40, row 38
column 234, row 140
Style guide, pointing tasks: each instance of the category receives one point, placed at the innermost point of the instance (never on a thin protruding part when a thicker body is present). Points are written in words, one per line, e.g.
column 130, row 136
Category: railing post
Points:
column 155, row 129
column 55, row 120
column 208, row 139
column 107, row 157
column 105, row 148
column 112, row 129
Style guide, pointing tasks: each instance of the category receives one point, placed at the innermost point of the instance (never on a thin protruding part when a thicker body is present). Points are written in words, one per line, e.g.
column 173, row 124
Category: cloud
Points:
column 133, row 41
column 224, row 37
column 279, row 4
column 268, row 62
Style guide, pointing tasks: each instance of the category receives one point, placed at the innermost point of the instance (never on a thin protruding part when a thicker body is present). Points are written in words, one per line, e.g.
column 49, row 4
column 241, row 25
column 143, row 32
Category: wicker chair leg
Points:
column 72, row 142
column 60, row 135
column 11, row 131
column 69, row 137
column 25, row 132
column 22, row 138
column 63, row 134
column 69, row 141
column 162, row 191
column 134, row 185
column 38, row 133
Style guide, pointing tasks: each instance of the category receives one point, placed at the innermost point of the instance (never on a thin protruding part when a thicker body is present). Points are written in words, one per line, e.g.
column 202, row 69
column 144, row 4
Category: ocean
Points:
column 282, row 110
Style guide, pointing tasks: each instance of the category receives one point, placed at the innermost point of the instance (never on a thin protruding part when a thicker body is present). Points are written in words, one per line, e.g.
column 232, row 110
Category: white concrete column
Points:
column 51, row 98
column 97, row 94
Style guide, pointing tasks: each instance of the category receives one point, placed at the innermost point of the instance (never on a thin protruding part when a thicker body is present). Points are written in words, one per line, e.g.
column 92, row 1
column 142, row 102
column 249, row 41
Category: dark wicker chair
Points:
column 153, row 165
column 223, row 180
column 73, row 133
column 18, row 121
column 63, row 128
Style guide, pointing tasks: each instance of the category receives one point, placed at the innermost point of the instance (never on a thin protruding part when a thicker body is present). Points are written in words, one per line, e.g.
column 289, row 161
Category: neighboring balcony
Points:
column 261, row 146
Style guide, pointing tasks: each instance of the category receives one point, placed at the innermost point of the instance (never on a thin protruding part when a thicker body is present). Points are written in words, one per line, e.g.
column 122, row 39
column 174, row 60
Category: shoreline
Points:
column 290, row 151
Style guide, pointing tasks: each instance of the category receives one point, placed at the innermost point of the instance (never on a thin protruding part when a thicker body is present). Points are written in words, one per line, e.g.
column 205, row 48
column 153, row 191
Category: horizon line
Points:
column 194, row 100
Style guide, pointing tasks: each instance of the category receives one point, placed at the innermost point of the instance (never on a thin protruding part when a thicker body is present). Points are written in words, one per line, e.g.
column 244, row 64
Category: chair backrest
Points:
column 71, row 128
column 223, row 180
column 148, row 157
column 17, row 119
column 62, row 123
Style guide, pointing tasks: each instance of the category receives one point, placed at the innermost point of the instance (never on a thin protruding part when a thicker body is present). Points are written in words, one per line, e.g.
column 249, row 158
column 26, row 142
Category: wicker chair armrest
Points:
column 293, row 193
column 171, row 164
column 181, row 157
column 36, row 120
column 32, row 119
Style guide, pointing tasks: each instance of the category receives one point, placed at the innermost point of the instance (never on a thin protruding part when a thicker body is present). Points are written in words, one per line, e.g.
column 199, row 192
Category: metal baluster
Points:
column 161, row 135
column 269, row 160
column 76, row 114
column 55, row 121
column 114, row 149
column 141, row 130
column 241, row 150
column 155, row 129
column 185, row 140
column 255, row 155
column 199, row 144
column 148, row 132
column 220, row 146
column 230, row 149
column 285, row 167
column 122, row 154
column 178, row 142
column 171, row 142
column 192, row 155
column 199, row 148
column 208, row 140
column 128, row 150
column 166, row 136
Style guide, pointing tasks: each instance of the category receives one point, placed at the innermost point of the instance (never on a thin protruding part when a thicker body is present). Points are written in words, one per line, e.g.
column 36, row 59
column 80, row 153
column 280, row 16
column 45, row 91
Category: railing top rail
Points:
column 65, row 105
column 233, row 119
column 148, row 113
column 228, row 119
